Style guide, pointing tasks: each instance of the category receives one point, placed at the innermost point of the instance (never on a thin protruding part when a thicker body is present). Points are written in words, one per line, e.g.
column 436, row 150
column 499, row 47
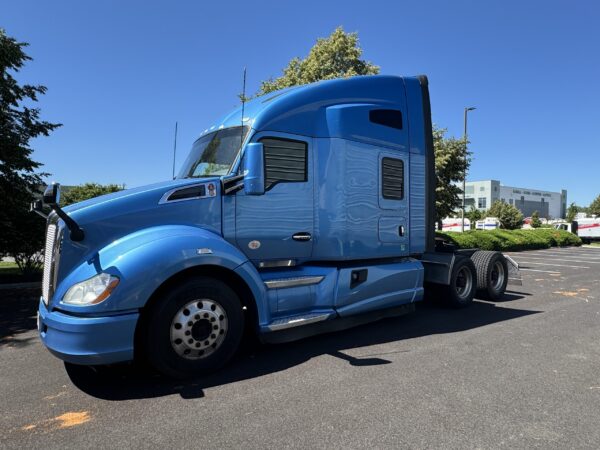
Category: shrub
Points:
column 511, row 240
column 509, row 216
column 535, row 220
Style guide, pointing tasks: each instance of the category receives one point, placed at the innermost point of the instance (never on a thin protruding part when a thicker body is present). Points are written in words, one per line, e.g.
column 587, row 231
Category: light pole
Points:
column 470, row 108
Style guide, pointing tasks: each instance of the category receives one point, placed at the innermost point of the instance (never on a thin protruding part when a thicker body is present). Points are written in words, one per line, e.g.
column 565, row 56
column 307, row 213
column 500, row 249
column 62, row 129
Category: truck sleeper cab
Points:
column 312, row 212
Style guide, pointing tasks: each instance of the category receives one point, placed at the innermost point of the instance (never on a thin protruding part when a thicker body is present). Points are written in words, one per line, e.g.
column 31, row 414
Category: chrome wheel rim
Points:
column 497, row 276
column 198, row 329
column 464, row 282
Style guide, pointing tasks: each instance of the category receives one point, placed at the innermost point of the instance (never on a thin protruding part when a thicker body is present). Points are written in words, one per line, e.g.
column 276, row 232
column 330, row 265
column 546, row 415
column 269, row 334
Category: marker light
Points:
column 92, row 291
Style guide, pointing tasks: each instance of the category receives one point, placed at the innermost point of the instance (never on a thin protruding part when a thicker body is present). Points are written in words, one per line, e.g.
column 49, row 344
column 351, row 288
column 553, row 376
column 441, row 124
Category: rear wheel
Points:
column 194, row 329
column 492, row 274
column 461, row 290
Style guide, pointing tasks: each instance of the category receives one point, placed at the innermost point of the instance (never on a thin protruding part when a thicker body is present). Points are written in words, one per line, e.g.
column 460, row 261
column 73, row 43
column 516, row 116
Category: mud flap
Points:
column 514, row 275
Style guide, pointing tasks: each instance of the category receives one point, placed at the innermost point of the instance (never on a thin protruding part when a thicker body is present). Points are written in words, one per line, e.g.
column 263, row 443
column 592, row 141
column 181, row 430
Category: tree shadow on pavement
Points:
column 18, row 310
column 123, row 382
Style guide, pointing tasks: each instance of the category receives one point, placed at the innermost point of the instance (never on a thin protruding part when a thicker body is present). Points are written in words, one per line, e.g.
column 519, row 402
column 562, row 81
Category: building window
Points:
column 285, row 161
column 482, row 188
column 469, row 202
column 469, row 190
column 482, row 202
column 510, row 201
column 502, row 200
column 523, row 199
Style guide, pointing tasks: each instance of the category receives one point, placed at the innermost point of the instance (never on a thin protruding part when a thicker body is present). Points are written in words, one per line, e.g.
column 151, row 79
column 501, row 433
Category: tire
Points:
column 194, row 329
column 462, row 286
column 492, row 274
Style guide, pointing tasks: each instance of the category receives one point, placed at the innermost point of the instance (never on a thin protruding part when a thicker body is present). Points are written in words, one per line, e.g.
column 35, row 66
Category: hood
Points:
column 150, row 190
column 108, row 218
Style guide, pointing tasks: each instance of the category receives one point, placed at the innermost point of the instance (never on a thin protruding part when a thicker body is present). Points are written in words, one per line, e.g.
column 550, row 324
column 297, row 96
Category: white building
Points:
column 481, row 195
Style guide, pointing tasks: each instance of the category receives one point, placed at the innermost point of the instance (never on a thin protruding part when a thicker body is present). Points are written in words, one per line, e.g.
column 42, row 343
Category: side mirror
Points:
column 52, row 194
column 254, row 169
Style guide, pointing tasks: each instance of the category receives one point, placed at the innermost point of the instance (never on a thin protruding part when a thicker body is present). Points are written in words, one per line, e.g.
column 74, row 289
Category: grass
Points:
column 10, row 273
column 512, row 240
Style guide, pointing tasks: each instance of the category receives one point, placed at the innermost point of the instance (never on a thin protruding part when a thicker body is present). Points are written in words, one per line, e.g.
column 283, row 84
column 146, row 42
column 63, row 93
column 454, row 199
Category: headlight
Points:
column 92, row 291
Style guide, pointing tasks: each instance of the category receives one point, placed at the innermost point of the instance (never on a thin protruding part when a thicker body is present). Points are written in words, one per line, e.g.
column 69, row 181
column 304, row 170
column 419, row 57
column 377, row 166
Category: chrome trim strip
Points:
column 293, row 282
column 279, row 263
column 166, row 195
column 291, row 322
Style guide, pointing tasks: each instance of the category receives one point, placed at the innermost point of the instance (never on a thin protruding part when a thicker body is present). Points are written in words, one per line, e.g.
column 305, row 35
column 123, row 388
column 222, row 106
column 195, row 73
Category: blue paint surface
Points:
column 144, row 240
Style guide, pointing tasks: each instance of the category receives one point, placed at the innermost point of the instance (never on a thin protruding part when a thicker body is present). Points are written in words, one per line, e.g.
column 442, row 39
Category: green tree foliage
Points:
column 572, row 211
column 474, row 215
column 535, row 220
column 86, row 191
column 451, row 162
column 337, row 56
column 22, row 234
column 594, row 207
column 509, row 216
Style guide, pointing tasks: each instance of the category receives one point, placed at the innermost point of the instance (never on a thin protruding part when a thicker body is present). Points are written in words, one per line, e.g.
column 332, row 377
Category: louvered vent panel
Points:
column 393, row 178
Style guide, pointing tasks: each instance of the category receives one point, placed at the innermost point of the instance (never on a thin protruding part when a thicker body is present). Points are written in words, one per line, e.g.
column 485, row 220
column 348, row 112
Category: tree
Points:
column 509, row 216
column 594, row 207
column 535, row 220
column 473, row 215
column 86, row 191
column 451, row 162
column 22, row 235
column 572, row 211
column 337, row 56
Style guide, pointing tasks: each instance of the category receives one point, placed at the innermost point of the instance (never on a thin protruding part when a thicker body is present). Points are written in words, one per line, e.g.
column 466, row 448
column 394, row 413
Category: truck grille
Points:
column 50, row 259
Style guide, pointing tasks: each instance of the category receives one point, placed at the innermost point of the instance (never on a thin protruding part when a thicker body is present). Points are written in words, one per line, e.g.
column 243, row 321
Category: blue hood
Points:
column 108, row 218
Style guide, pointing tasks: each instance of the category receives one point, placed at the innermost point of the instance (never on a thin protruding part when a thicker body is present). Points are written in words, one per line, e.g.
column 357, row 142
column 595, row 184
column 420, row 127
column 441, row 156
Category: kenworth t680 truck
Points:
column 306, row 210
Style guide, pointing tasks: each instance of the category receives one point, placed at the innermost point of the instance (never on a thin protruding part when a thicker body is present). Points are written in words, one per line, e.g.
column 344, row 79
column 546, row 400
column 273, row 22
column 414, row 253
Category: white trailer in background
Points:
column 450, row 224
column 489, row 223
column 588, row 229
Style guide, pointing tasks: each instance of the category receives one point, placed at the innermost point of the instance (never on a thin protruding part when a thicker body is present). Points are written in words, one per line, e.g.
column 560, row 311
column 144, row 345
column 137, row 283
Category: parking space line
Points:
column 561, row 259
column 550, row 264
column 535, row 270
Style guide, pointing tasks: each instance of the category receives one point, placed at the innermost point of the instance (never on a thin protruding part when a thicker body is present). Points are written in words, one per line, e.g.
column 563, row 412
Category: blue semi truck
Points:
column 307, row 210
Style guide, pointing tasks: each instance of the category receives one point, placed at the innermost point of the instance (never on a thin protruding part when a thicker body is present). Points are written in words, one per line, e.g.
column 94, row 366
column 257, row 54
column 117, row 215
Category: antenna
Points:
column 174, row 150
column 243, row 104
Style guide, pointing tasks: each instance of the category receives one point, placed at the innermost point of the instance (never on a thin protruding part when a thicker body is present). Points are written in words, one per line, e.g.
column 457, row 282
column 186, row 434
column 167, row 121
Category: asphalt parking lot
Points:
column 520, row 373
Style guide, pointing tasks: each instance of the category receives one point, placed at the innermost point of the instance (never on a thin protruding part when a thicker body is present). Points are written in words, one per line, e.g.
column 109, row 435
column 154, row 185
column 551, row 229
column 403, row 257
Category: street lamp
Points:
column 470, row 108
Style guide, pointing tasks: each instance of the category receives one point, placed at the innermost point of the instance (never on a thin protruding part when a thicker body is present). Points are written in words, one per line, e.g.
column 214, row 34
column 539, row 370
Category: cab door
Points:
column 276, row 228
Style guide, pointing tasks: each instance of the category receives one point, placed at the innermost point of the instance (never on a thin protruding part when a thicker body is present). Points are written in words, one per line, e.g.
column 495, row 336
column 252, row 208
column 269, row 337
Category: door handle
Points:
column 302, row 237
column 401, row 230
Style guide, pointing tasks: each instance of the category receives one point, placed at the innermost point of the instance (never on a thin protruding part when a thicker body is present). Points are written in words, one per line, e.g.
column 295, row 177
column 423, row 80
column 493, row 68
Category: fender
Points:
column 146, row 258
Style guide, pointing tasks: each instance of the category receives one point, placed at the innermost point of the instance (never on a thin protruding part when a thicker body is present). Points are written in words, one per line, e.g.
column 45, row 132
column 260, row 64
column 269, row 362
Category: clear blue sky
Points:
column 120, row 73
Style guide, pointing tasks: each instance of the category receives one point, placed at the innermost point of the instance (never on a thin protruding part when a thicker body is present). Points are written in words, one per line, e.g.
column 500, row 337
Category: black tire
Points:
column 460, row 292
column 214, row 350
column 492, row 274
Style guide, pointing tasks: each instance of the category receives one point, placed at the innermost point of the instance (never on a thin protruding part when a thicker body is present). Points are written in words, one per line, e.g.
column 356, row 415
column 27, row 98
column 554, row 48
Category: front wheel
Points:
column 194, row 329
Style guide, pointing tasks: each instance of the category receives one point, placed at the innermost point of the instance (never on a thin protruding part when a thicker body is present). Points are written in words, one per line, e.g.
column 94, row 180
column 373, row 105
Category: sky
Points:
column 121, row 73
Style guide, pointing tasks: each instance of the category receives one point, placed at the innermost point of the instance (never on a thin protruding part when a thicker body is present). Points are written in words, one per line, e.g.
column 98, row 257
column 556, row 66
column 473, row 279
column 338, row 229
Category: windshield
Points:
column 213, row 154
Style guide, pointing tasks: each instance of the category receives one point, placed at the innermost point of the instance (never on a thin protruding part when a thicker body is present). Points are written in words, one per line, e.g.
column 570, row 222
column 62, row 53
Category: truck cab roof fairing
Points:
column 296, row 110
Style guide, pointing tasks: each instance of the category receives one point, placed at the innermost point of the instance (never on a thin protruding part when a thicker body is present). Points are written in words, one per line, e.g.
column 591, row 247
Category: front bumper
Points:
column 87, row 340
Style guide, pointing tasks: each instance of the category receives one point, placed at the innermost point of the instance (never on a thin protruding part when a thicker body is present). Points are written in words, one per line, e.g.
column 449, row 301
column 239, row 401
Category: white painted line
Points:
column 549, row 264
column 534, row 270
column 553, row 255
column 561, row 259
